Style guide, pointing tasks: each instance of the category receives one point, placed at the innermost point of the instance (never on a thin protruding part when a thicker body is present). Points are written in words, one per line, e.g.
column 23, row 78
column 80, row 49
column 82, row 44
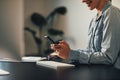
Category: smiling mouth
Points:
column 89, row 3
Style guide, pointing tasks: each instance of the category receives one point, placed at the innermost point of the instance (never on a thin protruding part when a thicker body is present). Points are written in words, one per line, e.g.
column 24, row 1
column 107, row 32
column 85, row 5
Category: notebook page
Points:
column 53, row 64
column 3, row 72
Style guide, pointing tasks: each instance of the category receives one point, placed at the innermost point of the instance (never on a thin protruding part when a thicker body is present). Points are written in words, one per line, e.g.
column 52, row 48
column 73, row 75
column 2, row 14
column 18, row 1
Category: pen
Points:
column 51, row 40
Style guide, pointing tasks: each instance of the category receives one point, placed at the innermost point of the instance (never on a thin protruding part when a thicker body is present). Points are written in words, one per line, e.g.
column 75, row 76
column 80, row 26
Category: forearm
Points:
column 78, row 55
column 91, row 57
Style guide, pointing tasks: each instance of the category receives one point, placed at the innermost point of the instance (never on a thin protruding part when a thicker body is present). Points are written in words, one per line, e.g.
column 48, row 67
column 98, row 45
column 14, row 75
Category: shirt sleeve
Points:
column 110, row 45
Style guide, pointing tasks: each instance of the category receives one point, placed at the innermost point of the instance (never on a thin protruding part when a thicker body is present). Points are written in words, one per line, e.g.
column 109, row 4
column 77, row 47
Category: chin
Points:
column 90, row 8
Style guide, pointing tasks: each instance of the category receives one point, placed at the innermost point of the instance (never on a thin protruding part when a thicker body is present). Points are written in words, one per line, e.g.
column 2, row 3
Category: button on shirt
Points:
column 103, row 39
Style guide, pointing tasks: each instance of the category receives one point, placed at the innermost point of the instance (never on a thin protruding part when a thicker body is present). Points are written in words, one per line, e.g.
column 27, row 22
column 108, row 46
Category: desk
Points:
column 25, row 71
column 94, row 72
column 31, row 71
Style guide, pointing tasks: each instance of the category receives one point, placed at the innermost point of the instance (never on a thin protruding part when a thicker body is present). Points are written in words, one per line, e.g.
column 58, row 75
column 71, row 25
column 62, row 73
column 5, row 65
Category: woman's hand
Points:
column 62, row 49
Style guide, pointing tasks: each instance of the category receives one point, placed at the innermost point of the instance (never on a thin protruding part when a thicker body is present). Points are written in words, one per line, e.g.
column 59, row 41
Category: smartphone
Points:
column 51, row 40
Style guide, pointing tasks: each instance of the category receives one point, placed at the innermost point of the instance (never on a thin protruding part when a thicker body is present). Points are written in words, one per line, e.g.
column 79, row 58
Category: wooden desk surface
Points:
column 31, row 71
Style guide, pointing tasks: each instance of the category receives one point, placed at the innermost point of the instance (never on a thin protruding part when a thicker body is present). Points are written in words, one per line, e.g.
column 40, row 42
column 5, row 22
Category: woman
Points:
column 104, row 41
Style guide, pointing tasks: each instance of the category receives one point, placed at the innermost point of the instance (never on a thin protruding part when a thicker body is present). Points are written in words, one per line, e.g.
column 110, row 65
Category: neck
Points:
column 101, row 5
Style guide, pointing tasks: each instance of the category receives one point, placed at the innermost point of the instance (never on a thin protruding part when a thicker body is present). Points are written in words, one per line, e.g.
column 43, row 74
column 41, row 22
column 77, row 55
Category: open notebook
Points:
column 54, row 65
column 32, row 58
column 3, row 72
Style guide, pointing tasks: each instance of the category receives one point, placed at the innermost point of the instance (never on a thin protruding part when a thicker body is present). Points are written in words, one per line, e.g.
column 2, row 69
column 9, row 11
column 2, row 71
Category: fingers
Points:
column 63, row 43
column 54, row 54
column 55, row 46
column 62, row 49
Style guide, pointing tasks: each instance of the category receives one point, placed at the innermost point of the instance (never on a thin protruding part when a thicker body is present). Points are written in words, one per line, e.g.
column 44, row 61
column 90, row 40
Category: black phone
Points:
column 51, row 40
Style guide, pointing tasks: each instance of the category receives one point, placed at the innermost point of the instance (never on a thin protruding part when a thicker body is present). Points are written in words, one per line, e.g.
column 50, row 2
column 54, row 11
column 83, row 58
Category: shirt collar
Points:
column 103, row 10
